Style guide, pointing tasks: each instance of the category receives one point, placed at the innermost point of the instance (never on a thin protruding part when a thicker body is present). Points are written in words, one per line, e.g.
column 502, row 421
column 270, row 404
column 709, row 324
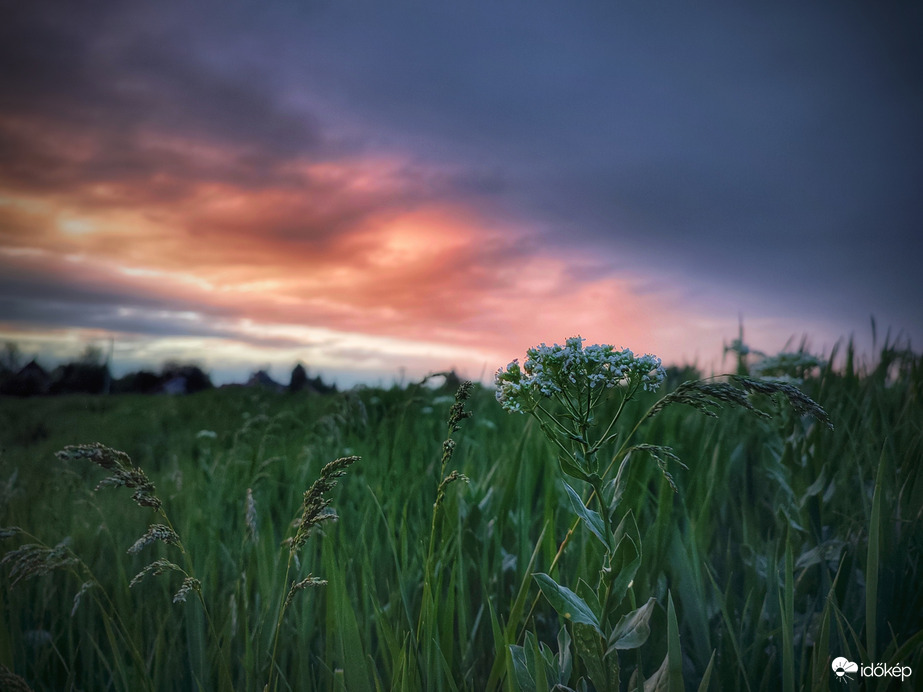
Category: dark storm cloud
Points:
column 775, row 149
column 117, row 67
column 90, row 92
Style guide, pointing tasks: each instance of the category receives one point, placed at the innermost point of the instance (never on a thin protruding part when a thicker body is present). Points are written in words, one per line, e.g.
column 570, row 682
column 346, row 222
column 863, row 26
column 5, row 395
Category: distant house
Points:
column 262, row 380
column 174, row 385
column 31, row 380
column 184, row 379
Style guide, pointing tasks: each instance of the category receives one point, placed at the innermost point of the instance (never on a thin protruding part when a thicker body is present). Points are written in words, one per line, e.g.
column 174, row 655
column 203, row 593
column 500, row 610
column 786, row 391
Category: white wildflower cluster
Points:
column 552, row 370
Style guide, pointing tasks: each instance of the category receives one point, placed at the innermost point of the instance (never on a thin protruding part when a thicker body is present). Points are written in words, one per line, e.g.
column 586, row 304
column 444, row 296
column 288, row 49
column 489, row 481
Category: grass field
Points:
column 786, row 545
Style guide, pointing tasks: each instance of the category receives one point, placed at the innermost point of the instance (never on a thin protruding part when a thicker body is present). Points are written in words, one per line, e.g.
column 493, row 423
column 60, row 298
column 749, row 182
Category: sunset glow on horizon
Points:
column 242, row 204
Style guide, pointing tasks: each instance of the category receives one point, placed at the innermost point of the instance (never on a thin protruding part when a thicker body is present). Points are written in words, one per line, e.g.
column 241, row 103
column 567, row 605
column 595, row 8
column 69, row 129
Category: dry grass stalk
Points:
column 707, row 396
column 125, row 473
column 309, row 580
column 662, row 455
column 155, row 532
column 189, row 584
column 86, row 586
column 34, row 560
column 315, row 510
column 250, row 517
column 156, row 568
column 10, row 682
column 314, row 505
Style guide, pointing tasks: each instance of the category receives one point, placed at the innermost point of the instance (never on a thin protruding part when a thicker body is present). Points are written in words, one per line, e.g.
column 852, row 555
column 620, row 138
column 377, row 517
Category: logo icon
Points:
column 841, row 667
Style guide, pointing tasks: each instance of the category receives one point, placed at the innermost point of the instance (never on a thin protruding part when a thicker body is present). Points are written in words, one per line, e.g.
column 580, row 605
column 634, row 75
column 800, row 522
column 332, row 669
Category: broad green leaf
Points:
column 626, row 559
column 633, row 629
column 535, row 662
column 660, row 680
column 591, row 518
column 523, row 676
column 567, row 604
column 565, row 661
column 588, row 594
column 571, row 469
column 618, row 483
column 602, row 668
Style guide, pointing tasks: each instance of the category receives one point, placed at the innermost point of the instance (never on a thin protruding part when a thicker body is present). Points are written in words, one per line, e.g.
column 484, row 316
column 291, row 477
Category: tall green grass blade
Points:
column 197, row 644
column 730, row 629
column 820, row 667
column 873, row 562
column 343, row 639
column 501, row 659
column 498, row 668
column 534, row 661
column 674, row 650
column 787, row 606
column 706, row 676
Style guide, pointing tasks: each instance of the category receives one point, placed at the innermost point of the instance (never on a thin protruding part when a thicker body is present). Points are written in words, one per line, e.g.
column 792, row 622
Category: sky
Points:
column 379, row 190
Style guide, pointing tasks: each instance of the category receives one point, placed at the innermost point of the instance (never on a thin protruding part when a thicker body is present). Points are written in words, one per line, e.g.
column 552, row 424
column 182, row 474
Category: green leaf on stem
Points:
column 567, row 604
column 571, row 469
column 602, row 666
column 591, row 518
column 626, row 559
column 618, row 484
column 521, row 669
column 633, row 629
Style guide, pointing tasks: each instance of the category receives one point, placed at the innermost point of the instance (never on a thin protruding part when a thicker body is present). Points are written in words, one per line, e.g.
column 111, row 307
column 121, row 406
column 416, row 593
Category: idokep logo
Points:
column 842, row 668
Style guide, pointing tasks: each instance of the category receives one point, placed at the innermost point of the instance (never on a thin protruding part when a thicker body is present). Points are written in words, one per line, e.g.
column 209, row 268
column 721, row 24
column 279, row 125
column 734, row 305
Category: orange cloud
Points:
column 190, row 242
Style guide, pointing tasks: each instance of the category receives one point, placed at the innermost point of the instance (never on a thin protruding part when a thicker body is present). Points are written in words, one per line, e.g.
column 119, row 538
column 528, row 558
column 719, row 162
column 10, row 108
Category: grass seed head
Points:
column 458, row 413
column 446, row 482
column 125, row 474
column 250, row 517
column 86, row 586
column 309, row 580
column 189, row 584
column 104, row 457
column 707, row 396
column 34, row 560
column 9, row 532
column 315, row 504
column 155, row 532
column 800, row 402
column 662, row 455
column 11, row 682
column 157, row 567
